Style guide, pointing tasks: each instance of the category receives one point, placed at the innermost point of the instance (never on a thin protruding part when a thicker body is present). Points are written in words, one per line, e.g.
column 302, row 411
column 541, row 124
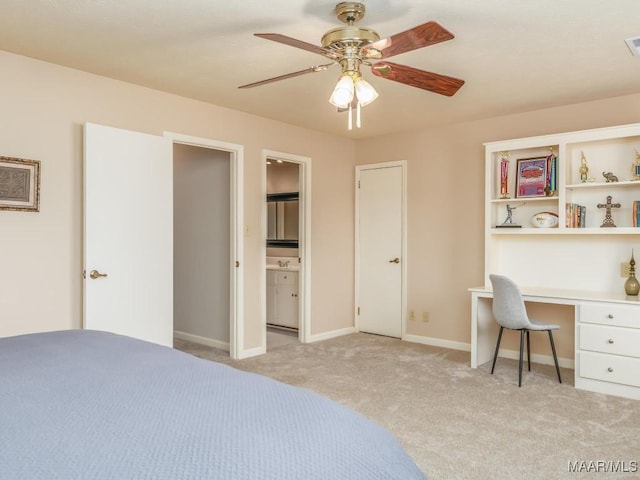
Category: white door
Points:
column 128, row 233
column 380, row 248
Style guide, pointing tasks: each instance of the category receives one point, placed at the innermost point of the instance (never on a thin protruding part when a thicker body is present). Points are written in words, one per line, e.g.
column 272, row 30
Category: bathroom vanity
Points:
column 282, row 293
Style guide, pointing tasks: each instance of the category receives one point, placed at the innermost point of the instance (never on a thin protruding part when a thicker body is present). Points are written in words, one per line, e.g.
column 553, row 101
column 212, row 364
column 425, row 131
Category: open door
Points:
column 128, row 233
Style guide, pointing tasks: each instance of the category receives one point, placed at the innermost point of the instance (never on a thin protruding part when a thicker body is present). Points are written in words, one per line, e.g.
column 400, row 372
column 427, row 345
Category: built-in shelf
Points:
column 565, row 256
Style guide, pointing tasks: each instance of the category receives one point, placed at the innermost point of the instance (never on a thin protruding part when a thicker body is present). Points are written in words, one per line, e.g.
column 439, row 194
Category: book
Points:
column 576, row 215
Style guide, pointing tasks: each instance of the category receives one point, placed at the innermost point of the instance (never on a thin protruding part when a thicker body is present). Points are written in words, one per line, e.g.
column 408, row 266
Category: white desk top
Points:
column 559, row 295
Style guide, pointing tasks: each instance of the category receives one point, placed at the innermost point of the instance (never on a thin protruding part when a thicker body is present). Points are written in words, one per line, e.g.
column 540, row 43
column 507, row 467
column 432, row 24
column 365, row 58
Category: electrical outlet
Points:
column 425, row 317
column 624, row 269
column 412, row 315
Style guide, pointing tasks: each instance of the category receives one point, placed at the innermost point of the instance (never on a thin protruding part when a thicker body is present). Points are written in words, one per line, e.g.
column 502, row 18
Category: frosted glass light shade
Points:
column 343, row 93
column 365, row 92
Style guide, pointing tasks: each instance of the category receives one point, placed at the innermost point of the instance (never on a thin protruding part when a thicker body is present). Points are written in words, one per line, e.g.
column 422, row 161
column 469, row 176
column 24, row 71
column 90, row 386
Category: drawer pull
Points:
column 609, row 369
column 611, row 340
column 610, row 315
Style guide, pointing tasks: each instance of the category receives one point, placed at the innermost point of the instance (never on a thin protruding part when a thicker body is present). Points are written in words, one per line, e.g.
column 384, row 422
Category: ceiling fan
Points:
column 351, row 46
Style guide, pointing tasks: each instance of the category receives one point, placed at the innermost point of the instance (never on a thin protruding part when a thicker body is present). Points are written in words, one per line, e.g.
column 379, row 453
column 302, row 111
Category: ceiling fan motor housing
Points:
column 349, row 40
column 350, row 35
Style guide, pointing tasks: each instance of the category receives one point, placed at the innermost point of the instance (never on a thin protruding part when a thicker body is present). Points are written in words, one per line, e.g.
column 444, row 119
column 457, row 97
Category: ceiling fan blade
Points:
column 293, row 42
column 418, row 78
column 317, row 68
column 421, row 36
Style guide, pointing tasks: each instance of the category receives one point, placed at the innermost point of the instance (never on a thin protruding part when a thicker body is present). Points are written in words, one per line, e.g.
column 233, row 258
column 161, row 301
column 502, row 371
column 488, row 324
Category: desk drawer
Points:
column 610, row 314
column 610, row 368
column 605, row 339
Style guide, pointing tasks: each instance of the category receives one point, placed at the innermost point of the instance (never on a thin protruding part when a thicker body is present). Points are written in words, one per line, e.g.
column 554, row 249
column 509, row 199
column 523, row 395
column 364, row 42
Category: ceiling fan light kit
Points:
column 343, row 93
column 365, row 92
column 351, row 46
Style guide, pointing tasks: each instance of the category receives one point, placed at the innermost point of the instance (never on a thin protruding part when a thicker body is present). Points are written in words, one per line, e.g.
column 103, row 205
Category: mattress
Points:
column 82, row 404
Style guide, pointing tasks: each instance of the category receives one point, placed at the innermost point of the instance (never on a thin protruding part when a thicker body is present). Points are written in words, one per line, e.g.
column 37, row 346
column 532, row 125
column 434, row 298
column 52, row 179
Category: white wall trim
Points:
column 304, row 243
column 252, row 352
column 437, row 342
column 536, row 358
column 209, row 342
column 236, row 273
column 332, row 334
column 511, row 354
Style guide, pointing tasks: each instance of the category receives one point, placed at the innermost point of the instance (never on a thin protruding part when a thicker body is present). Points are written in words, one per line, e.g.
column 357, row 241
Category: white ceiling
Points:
column 514, row 56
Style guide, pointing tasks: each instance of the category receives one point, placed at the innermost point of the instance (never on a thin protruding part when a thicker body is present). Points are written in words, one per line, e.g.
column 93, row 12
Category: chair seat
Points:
column 539, row 326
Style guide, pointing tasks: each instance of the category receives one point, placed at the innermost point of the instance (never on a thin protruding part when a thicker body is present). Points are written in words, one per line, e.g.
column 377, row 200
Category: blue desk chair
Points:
column 510, row 312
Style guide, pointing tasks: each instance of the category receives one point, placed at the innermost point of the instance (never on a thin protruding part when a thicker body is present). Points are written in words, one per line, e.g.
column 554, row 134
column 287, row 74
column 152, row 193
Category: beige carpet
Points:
column 459, row 423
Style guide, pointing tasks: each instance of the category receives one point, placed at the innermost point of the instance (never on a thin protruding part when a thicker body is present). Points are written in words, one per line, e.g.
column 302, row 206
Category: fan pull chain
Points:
column 350, row 118
column 358, row 116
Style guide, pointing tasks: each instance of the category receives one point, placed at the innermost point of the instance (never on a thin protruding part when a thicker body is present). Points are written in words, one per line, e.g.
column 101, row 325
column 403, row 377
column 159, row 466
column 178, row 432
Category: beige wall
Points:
column 44, row 107
column 283, row 177
column 445, row 204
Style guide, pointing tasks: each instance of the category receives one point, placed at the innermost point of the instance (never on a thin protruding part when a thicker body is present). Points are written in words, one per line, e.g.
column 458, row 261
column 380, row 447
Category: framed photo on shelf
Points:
column 531, row 177
column 19, row 184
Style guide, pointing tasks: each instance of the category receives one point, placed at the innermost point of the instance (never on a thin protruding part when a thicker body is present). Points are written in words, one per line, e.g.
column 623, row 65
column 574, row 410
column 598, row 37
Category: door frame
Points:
column 236, row 244
column 304, row 244
column 403, row 264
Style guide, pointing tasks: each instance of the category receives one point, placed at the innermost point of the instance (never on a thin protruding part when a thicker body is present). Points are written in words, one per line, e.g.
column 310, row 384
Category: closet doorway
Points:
column 207, row 242
column 201, row 250
column 287, row 189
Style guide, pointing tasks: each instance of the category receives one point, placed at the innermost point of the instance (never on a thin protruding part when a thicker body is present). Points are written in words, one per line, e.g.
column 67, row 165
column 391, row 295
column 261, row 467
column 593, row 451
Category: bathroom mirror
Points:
column 282, row 219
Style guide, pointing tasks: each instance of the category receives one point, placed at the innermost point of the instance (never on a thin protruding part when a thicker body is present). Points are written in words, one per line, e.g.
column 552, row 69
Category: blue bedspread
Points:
column 93, row 405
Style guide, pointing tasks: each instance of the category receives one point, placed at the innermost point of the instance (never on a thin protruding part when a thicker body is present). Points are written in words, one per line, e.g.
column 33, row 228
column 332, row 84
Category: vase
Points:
column 632, row 286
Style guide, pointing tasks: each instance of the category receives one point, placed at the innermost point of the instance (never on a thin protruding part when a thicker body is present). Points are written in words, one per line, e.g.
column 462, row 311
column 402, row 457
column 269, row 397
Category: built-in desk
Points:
column 607, row 336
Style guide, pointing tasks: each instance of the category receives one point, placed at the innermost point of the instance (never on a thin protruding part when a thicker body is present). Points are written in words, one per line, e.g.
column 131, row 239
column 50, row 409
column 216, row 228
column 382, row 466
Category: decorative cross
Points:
column 608, row 221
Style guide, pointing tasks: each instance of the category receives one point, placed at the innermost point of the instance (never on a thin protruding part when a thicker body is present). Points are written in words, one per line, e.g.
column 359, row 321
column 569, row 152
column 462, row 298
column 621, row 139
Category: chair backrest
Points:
column 508, row 306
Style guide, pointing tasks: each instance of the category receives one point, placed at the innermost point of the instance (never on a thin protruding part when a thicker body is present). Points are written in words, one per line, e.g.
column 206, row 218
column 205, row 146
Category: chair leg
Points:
column 495, row 355
column 520, row 362
column 528, row 351
column 555, row 357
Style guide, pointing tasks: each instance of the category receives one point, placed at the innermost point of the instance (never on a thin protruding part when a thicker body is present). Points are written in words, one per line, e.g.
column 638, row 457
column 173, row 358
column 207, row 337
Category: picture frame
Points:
column 531, row 177
column 19, row 184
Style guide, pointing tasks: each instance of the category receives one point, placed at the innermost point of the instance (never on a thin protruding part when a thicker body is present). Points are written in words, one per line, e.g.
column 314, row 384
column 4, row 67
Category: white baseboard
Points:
column 251, row 352
column 332, row 334
column 209, row 342
column 438, row 342
column 511, row 354
column 537, row 358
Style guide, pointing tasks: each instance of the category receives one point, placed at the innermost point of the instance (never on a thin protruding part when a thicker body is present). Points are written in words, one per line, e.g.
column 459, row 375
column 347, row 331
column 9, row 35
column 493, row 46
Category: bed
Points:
column 83, row 404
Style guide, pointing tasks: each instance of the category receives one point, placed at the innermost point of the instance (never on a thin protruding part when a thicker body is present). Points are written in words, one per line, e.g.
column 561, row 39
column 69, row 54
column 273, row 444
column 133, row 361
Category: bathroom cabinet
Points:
column 282, row 298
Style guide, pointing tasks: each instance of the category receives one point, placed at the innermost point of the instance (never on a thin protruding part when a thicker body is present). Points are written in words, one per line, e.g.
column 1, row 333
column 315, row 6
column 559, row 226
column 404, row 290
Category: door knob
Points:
column 94, row 274
column 395, row 260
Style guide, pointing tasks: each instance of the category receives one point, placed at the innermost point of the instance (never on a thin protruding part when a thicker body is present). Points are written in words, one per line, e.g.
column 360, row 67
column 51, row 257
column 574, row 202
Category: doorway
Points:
column 287, row 267
column 201, row 250
column 381, row 248
column 208, row 244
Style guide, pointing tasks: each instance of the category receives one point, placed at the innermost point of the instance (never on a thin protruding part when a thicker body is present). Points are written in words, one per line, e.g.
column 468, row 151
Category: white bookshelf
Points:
column 586, row 258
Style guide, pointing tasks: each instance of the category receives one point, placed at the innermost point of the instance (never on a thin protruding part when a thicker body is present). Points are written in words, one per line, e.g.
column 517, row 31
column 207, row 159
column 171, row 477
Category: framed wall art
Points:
column 19, row 184
column 531, row 177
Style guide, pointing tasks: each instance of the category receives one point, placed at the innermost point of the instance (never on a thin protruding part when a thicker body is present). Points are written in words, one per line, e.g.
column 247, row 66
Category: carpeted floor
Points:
column 460, row 423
